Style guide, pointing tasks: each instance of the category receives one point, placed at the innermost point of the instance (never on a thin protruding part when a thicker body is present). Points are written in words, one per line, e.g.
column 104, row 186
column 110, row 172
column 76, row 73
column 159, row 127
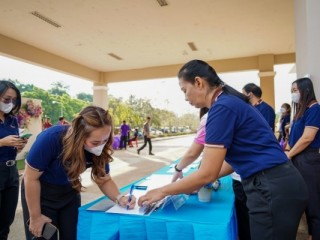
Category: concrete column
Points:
column 266, row 74
column 307, row 36
column 100, row 95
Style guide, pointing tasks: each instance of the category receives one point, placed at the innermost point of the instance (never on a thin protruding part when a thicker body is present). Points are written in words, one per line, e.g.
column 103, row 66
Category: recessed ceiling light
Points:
column 192, row 46
column 115, row 56
column 162, row 3
column 46, row 19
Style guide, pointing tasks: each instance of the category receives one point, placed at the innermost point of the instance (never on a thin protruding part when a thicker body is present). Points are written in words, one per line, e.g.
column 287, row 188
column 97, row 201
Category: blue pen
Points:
column 130, row 195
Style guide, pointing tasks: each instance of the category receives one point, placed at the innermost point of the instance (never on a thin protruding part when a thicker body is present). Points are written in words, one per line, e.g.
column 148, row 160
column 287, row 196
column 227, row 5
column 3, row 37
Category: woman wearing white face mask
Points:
column 10, row 145
column 304, row 142
column 52, row 186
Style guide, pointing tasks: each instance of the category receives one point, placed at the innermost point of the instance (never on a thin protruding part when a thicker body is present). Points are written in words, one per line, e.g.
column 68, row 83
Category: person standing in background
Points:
column 124, row 131
column 47, row 123
column 196, row 147
column 62, row 121
column 147, row 137
column 10, row 145
column 285, row 112
column 254, row 93
column 304, row 143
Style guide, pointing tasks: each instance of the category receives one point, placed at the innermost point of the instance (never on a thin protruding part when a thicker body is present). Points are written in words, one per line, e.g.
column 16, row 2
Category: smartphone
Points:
column 48, row 231
column 25, row 135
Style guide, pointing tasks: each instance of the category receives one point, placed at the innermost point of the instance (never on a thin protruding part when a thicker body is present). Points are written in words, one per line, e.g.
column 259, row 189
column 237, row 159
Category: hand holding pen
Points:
column 130, row 196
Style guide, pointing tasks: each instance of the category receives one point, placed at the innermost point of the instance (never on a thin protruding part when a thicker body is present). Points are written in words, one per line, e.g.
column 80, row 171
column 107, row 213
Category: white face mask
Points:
column 95, row 150
column 295, row 97
column 283, row 110
column 6, row 107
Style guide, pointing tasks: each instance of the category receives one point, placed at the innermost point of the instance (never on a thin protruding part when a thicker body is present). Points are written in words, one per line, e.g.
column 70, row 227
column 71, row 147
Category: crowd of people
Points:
column 274, row 183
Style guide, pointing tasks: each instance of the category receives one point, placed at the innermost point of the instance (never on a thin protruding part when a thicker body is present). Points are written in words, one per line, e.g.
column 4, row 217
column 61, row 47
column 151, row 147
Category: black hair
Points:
column 307, row 96
column 251, row 87
column 4, row 86
column 203, row 111
column 199, row 68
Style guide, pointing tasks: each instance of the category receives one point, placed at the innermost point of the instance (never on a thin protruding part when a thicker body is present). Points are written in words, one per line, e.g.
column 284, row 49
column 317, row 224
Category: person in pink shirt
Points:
column 196, row 147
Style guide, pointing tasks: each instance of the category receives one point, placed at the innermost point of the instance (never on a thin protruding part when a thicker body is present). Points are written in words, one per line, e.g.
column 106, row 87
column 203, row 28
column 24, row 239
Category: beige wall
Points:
column 263, row 63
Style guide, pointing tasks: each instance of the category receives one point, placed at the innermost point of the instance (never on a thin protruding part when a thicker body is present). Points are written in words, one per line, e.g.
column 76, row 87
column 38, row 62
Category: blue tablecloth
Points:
column 194, row 220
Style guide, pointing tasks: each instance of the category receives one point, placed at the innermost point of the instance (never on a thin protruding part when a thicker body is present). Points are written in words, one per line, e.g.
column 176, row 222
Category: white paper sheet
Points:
column 152, row 182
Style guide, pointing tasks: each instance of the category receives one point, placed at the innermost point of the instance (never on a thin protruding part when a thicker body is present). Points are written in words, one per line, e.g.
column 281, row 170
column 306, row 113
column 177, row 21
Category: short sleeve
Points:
column 313, row 117
column 45, row 149
column 220, row 126
column 107, row 168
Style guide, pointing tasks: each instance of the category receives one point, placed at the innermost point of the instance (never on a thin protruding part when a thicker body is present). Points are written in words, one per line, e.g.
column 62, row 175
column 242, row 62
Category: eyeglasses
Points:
column 9, row 100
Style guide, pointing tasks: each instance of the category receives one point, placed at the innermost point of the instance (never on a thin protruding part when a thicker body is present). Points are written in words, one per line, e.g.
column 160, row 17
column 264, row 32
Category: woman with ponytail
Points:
column 239, row 139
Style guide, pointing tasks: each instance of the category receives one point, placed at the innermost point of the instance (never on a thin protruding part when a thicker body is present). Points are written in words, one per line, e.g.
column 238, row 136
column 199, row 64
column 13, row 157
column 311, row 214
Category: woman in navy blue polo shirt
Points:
column 254, row 94
column 237, row 133
column 304, row 142
column 52, row 183
column 10, row 145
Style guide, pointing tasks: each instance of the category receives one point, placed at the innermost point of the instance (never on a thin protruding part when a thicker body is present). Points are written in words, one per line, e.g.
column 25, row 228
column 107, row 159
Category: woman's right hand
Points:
column 36, row 225
column 11, row 141
column 176, row 176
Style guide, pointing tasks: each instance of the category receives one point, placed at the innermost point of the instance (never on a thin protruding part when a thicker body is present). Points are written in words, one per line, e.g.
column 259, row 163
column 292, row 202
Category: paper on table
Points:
column 136, row 210
column 152, row 182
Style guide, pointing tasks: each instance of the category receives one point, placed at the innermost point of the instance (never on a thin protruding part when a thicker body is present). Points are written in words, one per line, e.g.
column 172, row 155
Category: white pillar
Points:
column 100, row 95
column 307, row 36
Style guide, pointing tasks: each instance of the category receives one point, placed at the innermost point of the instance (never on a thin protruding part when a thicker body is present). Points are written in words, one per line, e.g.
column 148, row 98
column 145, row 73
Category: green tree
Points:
column 58, row 88
column 85, row 97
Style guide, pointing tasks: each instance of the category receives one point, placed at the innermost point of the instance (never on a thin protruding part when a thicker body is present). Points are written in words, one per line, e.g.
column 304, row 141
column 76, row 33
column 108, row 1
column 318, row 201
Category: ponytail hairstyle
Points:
column 199, row 68
column 307, row 97
column 73, row 154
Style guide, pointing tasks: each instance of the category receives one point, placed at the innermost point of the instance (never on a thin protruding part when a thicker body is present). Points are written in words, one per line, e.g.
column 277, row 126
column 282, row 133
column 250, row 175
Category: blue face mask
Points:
column 95, row 150
column 6, row 107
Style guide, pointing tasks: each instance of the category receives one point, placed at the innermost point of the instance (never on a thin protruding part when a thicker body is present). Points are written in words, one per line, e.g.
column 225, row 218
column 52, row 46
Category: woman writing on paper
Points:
column 52, row 182
column 237, row 133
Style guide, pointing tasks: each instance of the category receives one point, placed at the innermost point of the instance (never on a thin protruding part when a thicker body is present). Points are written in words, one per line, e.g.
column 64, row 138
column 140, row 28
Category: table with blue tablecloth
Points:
column 193, row 220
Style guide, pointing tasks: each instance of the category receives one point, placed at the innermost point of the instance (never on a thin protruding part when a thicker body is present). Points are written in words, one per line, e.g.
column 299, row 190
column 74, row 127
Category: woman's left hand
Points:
column 21, row 144
column 151, row 197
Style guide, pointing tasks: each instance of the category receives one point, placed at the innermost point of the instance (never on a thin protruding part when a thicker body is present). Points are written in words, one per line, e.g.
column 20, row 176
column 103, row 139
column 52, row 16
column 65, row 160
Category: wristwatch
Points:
column 118, row 199
column 177, row 169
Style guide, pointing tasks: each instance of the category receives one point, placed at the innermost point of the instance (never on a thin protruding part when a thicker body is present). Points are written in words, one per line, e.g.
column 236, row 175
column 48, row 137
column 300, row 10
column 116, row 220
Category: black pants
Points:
column 146, row 140
column 308, row 164
column 123, row 142
column 9, row 194
column 276, row 199
column 60, row 203
column 242, row 211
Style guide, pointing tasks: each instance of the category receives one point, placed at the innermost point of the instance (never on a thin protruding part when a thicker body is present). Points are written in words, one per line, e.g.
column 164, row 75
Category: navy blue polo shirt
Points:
column 267, row 112
column 8, row 127
column 45, row 155
column 239, row 127
column 310, row 118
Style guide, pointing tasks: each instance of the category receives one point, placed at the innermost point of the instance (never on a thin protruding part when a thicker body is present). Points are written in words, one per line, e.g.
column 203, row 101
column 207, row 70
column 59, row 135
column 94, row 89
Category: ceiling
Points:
column 144, row 34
